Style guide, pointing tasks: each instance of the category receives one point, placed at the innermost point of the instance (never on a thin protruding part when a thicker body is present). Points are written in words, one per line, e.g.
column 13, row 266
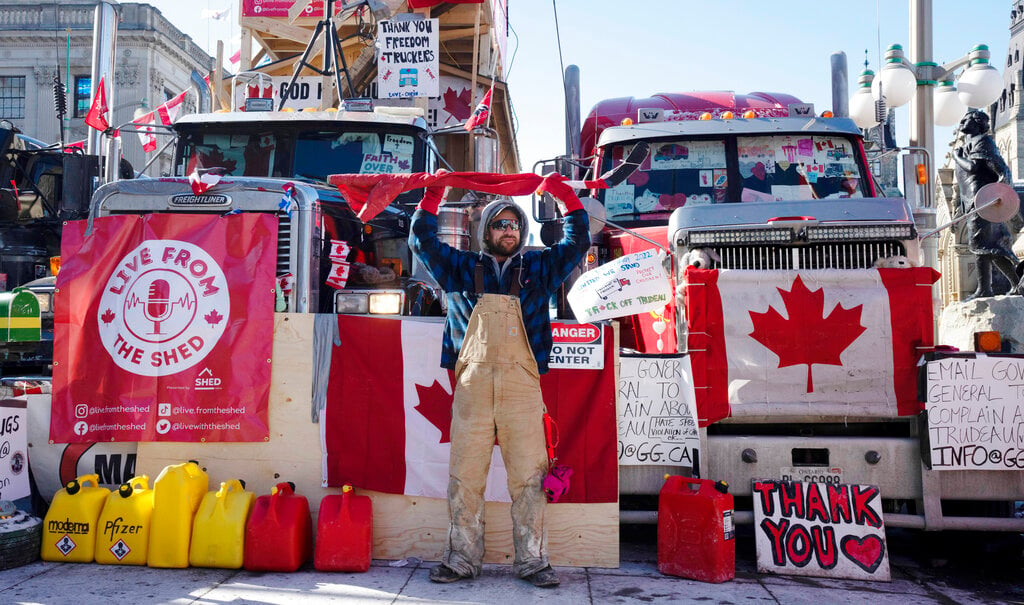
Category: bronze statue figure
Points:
column 979, row 163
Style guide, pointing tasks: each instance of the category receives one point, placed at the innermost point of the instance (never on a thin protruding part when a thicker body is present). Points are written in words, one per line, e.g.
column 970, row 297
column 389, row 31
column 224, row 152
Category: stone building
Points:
column 153, row 62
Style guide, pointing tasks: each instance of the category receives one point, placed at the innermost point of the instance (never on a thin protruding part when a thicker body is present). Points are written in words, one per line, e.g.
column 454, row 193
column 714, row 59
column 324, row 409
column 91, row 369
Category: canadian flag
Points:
column 480, row 114
column 144, row 123
column 837, row 343
column 169, row 110
column 388, row 415
column 166, row 113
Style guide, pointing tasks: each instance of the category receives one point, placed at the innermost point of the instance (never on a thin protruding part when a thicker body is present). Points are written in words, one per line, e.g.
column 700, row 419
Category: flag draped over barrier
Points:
column 837, row 343
column 388, row 415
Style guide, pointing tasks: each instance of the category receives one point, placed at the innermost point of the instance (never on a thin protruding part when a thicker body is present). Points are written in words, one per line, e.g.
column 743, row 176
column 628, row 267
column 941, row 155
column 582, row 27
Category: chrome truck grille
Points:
column 832, row 255
column 284, row 239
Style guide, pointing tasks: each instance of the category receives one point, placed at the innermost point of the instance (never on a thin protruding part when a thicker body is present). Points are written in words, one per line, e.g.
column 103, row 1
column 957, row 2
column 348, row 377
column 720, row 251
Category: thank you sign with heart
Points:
column 831, row 530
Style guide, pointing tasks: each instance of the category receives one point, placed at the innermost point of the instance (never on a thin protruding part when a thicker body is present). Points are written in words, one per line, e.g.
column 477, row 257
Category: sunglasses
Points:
column 505, row 223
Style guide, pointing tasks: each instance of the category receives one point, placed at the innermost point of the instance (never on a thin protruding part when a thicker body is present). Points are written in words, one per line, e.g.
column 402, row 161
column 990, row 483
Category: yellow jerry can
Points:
column 177, row 493
column 218, row 533
column 124, row 524
column 69, row 530
column 19, row 316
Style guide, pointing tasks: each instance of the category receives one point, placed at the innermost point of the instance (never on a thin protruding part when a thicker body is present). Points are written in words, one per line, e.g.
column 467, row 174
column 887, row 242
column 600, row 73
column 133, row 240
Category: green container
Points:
column 19, row 316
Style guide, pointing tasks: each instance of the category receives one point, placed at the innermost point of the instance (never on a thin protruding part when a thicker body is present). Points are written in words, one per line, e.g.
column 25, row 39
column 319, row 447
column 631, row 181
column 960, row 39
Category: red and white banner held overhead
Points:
column 162, row 327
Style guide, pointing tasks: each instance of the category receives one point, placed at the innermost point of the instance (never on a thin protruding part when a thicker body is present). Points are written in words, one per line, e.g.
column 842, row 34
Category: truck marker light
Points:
column 749, row 114
column 626, row 122
column 922, row 175
column 728, row 115
column 827, row 114
column 988, row 342
column 705, row 116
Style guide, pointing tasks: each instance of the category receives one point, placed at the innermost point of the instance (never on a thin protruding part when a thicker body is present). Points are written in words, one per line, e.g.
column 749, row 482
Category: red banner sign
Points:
column 162, row 329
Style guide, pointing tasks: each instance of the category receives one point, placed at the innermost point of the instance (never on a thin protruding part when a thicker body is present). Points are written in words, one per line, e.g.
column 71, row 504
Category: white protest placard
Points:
column 577, row 346
column 13, row 450
column 830, row 530
column 407, row 59
column 976, row 412
column 631, row 284
column 657, row 411
column 306, row 92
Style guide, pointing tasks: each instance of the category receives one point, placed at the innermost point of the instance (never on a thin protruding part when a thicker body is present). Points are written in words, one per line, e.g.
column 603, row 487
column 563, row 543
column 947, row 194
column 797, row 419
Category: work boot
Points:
column 442, row 574
column 543, row 578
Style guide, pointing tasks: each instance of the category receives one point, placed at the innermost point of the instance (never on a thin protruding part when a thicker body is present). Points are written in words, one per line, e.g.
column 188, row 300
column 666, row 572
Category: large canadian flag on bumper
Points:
column 827, row 342
column 388, row 415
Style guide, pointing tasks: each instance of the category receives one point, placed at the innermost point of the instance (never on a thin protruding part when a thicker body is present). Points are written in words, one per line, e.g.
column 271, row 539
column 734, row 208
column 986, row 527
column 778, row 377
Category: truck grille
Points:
column 838, row 255
column 284, row 238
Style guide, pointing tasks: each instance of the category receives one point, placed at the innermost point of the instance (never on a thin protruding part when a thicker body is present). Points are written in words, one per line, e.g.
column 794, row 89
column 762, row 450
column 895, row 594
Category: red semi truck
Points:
column 793, row 238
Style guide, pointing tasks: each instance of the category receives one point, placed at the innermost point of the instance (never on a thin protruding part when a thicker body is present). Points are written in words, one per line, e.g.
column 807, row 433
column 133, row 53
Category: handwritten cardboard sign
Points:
column 631, row 284
column 975, row 413
column 13, row 450
column 407, row 59
column 818, row 529
column 657, row 411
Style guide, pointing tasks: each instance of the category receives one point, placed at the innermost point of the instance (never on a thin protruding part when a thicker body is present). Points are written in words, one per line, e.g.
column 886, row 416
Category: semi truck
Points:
column 777, row 232
column 261, row 156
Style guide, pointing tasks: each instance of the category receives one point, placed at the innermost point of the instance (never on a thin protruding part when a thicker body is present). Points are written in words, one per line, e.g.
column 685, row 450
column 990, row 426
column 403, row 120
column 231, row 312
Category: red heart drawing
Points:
column 866, row 552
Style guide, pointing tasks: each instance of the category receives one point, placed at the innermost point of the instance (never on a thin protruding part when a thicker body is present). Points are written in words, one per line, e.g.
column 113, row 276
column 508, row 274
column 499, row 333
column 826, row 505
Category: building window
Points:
column 83, row 92
column 12, row 97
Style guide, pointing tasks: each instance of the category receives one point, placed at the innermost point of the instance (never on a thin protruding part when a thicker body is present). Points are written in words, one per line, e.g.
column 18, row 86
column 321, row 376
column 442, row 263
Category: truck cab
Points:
column 259, row 155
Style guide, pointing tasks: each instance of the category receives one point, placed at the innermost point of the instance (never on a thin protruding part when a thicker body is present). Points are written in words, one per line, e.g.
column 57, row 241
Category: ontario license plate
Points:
column 812, row 474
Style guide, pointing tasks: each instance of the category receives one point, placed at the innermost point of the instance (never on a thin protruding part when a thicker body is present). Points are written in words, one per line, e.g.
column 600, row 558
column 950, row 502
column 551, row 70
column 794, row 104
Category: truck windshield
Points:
column 311, row 154
column 734, row 169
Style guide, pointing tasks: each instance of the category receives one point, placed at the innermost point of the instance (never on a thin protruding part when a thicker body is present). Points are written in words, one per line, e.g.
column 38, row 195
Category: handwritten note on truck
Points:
column 975, row 412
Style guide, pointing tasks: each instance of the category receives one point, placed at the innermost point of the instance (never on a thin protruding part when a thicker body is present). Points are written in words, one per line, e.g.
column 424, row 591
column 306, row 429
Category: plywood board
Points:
column 585, row 535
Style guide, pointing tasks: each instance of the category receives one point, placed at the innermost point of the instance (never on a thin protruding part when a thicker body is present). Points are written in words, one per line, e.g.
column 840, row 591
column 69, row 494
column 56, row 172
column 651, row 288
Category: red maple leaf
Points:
column 213, row 317
column 108, row 316
column 807, row 337
column 436, row 406
column 457, row 104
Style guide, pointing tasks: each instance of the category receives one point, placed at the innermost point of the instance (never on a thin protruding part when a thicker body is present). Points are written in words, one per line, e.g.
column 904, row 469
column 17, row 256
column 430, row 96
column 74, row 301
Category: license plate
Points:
column 812, row 474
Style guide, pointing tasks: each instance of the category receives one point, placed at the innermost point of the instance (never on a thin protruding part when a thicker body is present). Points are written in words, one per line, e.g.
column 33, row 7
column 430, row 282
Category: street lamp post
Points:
column 933, row 100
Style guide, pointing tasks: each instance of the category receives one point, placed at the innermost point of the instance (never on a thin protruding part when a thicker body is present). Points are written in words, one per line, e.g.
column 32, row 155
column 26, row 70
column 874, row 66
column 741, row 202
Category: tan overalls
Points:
column 497, row 392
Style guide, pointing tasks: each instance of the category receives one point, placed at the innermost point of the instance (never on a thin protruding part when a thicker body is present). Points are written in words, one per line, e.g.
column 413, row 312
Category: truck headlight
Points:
column 385, row 303
column 351, row 303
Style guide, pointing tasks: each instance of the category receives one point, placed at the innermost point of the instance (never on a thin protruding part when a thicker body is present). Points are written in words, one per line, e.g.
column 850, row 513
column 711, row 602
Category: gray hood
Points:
column 492, row 210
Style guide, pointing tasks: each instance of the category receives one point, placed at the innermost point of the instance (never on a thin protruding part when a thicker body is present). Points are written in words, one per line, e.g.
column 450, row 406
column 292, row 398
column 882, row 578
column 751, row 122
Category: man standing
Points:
column 497, row 339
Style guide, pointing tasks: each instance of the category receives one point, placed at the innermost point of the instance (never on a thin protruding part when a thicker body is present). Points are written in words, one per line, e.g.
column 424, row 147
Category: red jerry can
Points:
column 696, row 536
column 279, row 536
column 344, row 532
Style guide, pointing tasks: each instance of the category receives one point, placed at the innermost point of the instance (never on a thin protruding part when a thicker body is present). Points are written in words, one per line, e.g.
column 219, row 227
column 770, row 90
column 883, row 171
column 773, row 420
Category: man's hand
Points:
column 433, row 196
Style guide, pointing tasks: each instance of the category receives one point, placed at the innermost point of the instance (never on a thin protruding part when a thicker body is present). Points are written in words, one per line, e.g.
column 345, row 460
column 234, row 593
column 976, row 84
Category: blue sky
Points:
column 641, row 47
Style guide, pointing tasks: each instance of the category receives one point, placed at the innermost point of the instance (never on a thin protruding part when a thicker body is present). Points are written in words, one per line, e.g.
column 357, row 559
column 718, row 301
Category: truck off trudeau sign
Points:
column 407, row 59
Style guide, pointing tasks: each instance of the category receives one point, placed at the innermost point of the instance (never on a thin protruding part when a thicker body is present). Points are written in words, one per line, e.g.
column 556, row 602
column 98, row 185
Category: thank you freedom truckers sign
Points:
column 163, row 329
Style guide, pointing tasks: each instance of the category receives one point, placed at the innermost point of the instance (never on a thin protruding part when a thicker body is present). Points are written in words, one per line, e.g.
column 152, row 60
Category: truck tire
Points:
column 20, row 537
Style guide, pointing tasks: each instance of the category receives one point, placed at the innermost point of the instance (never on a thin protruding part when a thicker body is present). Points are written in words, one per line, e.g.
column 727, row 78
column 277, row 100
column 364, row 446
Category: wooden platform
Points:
column 584, row 535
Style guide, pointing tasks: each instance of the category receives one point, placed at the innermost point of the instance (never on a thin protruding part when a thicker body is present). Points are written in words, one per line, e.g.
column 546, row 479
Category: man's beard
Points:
column 502, row 247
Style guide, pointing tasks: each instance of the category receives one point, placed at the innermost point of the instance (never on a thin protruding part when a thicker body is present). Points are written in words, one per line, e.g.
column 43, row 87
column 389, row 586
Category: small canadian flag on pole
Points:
column 480, row 114
column 97, row 116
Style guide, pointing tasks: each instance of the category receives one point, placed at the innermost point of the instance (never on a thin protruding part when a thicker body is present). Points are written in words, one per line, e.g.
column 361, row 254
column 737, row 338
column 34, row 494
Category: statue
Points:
column 978, row 163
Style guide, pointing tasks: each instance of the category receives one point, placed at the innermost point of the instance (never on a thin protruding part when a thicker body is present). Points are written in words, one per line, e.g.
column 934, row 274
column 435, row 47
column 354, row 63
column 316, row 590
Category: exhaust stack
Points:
column 104, row 43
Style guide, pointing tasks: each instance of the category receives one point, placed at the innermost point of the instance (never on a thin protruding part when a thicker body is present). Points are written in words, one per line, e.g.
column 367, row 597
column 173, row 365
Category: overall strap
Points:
column 478, row 279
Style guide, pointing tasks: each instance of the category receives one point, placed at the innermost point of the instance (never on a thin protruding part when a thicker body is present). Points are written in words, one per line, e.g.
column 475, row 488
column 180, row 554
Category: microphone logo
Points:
column 158, row 304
